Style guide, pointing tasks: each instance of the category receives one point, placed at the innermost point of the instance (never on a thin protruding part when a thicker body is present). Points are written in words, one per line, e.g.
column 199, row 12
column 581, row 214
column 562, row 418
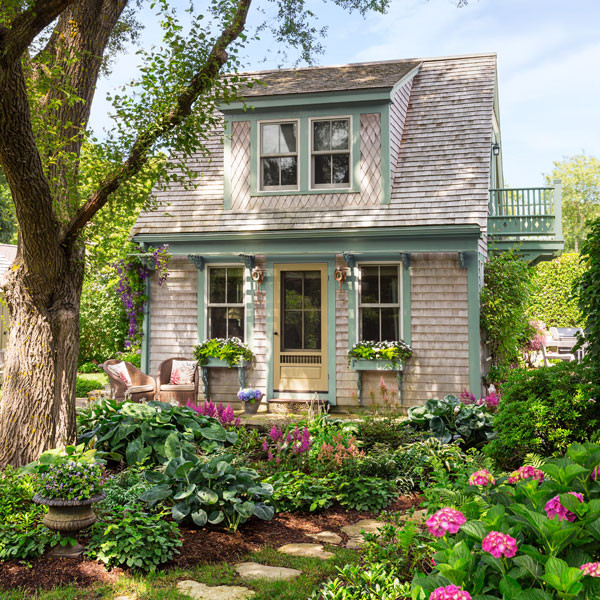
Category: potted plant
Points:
column 230, row 352
column 68, row 482
column 251, row 399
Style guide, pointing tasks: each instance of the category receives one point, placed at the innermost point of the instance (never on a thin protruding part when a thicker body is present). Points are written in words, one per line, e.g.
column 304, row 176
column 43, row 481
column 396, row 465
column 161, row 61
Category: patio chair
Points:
column 142, row 386
column 176, row 393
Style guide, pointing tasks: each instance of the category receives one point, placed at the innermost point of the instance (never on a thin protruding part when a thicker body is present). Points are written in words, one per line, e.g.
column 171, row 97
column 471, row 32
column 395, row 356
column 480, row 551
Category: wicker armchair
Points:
column 143, row 387
column 175, row 394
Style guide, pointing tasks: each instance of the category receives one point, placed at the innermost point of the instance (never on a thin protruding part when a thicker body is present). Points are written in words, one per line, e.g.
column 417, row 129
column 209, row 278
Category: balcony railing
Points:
column 526, row 212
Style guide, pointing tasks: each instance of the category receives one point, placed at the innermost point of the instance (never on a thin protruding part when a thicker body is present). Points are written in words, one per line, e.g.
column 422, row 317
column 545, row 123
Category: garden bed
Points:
column 200, row 546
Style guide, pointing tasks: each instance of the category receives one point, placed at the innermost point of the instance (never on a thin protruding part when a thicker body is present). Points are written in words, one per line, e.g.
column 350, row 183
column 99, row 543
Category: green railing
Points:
column 525, row 212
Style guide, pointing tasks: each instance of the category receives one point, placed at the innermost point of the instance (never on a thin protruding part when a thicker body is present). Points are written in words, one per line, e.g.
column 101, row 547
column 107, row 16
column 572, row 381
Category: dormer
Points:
column 317, row 137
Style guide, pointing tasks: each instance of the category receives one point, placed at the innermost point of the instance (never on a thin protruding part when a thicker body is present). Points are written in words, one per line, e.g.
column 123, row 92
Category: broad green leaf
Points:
column 207, row 496
column 529, row 564
column 154, row 477
column 245, row 509
column 172, row 446
column 510, row 588
column 474, row 529
column 183, row 469
column 133, row 449
column 156, row 494
column 216, row 517
column 185, row 493
column 180, row 511
column 200, row 517
column 263, row 511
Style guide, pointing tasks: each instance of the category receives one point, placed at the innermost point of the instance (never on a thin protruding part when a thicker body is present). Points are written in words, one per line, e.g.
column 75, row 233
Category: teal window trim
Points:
column 304, row 117
column 354, row 300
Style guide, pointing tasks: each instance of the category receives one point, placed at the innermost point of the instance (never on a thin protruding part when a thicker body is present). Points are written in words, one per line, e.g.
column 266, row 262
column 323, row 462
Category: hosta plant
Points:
column 151, row 433
column 533, row 539
column 451, row 420
column 209, row 491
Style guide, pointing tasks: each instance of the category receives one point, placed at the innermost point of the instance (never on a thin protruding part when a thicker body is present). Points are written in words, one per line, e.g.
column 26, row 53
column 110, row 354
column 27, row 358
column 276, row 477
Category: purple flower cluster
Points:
column 224, row 414
column 295, row 442
column 70, row 481
column 132, row 275
column 248, row 395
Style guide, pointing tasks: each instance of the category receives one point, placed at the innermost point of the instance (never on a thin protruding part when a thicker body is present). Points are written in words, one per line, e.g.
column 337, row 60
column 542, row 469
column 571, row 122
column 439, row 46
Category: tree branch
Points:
column 138, row 156
column 27, row 25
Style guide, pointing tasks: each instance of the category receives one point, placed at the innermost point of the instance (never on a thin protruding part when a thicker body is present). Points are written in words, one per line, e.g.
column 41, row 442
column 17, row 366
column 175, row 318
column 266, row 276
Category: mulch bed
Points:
column 200, row 546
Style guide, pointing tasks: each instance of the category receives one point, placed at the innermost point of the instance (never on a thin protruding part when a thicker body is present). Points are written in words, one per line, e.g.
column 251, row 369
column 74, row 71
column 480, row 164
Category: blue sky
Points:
column 548, row 63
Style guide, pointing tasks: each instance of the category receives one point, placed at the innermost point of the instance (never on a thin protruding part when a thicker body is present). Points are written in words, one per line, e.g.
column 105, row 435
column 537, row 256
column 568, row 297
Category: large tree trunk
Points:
column 37, row 411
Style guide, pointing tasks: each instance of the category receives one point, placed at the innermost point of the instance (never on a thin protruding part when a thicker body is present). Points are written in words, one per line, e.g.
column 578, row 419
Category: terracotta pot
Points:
column 68, row 515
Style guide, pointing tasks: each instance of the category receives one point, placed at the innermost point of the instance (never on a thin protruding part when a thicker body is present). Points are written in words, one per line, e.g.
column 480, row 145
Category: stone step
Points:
column 254, row 570
column 201, row 591
column 306, row 551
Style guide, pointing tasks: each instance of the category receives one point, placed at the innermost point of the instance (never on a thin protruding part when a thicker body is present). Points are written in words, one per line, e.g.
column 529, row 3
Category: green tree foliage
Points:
column 552, row 300
column 580, row 176
column 589, row 293
column 8, row 220
column 504, row 298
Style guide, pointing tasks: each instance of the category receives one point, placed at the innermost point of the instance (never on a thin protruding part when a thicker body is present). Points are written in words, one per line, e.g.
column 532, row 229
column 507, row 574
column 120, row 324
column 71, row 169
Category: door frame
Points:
column 269, row 284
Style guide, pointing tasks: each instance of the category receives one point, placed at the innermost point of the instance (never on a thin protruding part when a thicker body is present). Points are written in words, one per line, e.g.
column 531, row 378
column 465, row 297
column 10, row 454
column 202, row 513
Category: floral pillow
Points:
column 182, row 372
column 119, row 370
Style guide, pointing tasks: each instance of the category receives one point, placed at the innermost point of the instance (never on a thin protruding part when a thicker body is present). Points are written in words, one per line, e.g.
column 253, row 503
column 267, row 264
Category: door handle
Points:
column 275, row 333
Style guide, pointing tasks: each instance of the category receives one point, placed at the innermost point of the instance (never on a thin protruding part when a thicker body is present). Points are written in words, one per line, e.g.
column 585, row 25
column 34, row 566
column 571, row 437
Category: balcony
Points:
column 529, row 218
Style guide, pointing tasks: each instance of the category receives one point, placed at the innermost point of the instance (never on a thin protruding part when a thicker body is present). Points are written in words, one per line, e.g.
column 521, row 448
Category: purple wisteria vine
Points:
column 132, row 274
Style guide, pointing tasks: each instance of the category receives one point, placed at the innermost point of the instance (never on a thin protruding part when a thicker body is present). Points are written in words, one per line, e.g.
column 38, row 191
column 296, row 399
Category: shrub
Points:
column 134, row 538
column 89, row 383
column 529, row 539
column 543, row 411
column 123, row 491
column 211, row 491
column 552, row 300
column 374, row 581
column 365, row 493
column 294, row 490
column 507, row 285
column 451, row 420
column 151, row 433
column 389, row 430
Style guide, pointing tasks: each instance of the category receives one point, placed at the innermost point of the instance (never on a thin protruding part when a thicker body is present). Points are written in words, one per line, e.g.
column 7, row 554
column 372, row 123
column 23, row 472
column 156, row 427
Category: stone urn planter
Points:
column 251, row 407
column 68, row 517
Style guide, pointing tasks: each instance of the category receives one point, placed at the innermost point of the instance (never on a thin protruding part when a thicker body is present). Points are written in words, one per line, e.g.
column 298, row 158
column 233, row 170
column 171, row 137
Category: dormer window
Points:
column 279, row 156
column 330, row 153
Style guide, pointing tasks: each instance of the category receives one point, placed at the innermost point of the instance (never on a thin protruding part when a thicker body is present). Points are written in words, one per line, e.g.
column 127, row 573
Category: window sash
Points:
column 379, row 306
column 224, row 305
column 331, row 152
column 271, row 155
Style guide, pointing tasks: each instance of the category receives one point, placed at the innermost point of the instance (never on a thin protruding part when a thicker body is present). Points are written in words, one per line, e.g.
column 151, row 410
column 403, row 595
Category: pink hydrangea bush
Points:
column 445, row 520
column 482, row 477
column 526, row 472
column 450, row 592
column 555, row 509
column 591, row 569
column 499, row 544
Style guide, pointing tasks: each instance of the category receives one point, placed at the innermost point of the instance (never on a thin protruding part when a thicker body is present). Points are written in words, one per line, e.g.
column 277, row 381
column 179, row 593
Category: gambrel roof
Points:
column 440, row 150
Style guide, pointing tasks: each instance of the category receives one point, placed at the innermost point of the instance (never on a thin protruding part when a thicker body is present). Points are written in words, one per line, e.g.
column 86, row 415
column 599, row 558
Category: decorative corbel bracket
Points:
column 462, row 259
column 350, row 259
column 248, row 260
column 197, row 261
column 405, row 257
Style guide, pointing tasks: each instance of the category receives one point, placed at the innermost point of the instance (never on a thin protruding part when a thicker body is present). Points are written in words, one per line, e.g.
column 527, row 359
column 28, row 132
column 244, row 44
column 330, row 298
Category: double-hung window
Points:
column 226, row 302
column 379, row 303
column 279, row 156
column 330, row 153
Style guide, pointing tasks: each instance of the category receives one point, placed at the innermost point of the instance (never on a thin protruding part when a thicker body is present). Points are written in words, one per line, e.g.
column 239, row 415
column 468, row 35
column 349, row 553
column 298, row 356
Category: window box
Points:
column 221, row 363
column 367, row 364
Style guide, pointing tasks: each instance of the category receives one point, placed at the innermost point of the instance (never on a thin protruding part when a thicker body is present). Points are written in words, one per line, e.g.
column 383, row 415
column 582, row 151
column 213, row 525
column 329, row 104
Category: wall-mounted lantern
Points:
column 258, row 276
column 340, row 276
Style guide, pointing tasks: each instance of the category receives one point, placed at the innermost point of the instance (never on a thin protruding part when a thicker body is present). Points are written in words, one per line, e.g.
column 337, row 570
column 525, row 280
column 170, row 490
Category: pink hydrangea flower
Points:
column 499, row 544
column 595, row 476
column 482, row 477
column 446, row 520
column 591, row 569
column 450, row 592
column 555, row 509
column 526, row 472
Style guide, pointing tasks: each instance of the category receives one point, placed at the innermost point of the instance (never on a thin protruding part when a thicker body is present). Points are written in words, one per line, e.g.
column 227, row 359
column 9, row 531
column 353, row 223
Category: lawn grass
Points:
column 86, row 382
column 163, row 585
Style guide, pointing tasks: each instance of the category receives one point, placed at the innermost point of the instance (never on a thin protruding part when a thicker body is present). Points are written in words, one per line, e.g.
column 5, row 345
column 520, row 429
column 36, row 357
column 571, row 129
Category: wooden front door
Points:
column 300, row 328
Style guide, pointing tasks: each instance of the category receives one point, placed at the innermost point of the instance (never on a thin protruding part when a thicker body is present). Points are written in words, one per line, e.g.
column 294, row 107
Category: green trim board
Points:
column 471, row 263
column 227, row 165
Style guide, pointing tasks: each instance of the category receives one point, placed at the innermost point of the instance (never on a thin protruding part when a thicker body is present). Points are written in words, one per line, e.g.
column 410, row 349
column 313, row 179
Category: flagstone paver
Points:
column 326, row 537
column 253, row 570
column 200, row 591
column 306, row 550
column 354, row 531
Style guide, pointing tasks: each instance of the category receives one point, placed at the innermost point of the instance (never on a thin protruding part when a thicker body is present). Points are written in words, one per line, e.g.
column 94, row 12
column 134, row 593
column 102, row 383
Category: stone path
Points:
column 200, row 591
column 253, row 570
column 354, row 531
column 326, row 537
column 306, row 550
